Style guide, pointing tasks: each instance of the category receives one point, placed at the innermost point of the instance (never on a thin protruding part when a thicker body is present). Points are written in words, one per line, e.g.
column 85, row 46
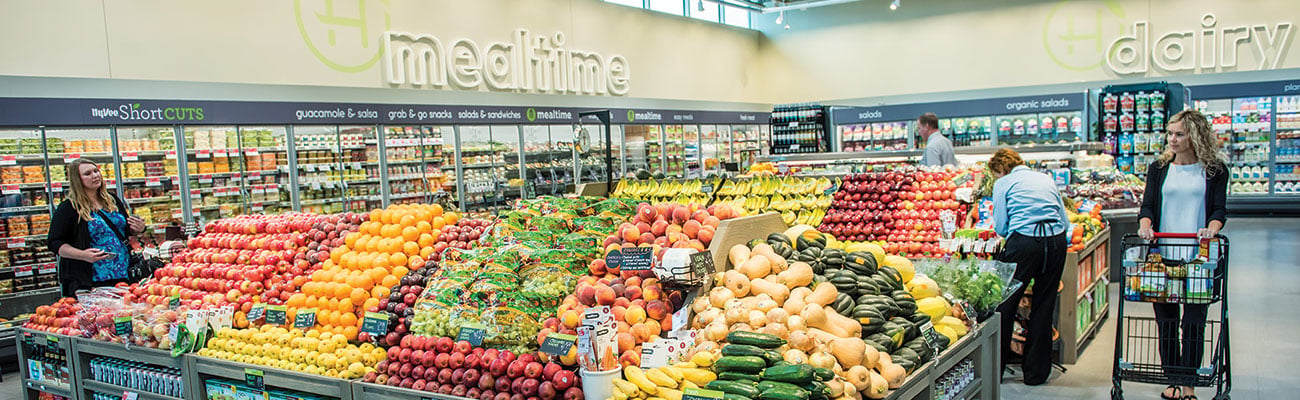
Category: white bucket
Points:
column 599, row 385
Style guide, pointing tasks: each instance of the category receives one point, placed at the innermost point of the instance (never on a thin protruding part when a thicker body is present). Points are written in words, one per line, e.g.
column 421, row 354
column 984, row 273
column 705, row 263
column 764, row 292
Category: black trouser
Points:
column 1041, row 259
column 1184, row 356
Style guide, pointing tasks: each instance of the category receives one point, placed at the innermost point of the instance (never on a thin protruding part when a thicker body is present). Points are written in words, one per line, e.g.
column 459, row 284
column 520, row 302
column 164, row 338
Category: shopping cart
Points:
column 1176, row 269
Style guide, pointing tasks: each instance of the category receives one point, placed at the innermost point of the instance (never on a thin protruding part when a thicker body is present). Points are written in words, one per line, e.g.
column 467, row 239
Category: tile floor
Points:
column 1264, row 287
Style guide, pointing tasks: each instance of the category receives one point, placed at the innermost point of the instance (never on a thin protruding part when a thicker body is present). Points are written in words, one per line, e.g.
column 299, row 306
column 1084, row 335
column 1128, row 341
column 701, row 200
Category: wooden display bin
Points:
column 1083, row 303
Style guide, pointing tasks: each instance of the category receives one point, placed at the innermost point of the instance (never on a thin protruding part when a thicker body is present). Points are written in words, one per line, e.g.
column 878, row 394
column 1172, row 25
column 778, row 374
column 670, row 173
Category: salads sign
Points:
column 1208, row 48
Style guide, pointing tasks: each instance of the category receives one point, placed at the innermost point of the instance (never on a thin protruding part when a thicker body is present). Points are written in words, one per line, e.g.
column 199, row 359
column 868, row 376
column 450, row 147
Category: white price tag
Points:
column 323, row 167
column 153, row 182
column 70, row 157
column 254, row 175
column 132, row 156
column 203, row 154
column 259, row 190
column 15, row 243
column 257, row 207
column 196, row 194
column 207, row 179
column 251, row 152
column 171, row 154
column 356, row 166
column 10, row 189
column 23, row 271
column 8, row 160
column 56, row 187
column 315, row 186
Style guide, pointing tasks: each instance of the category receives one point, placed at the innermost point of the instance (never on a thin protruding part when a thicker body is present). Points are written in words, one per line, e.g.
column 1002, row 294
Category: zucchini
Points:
column 761, row 340
column 772, row 356
column 817, row 390
column 735, row 376
column 733, row 396
column 747, row 364
column 784, row 393
column 797, row 374
column 780, row 363
column 742, row 350
column 823, row 374
column 764, row 386
column 742, row 388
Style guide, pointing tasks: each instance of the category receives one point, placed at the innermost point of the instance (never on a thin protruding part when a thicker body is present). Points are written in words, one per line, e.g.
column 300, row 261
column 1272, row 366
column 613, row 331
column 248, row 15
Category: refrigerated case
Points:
column 1047, row 119
column 748, row 143
column 1244, row 129
column 714, row 148
column 360, row 145
column 264, row 151
column 488, row 154
column 414, row 157
column 318, row 161
column 548, row 160
column 25, row 264
column 591, row 144
column 1286, row 153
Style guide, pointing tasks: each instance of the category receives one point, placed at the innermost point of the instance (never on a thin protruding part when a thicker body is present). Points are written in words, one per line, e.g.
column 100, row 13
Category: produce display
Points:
column 442, row 365
column 1085, row 223
column 1106, row 186
column 799, row 200
column 665, row 191
column 900, row 209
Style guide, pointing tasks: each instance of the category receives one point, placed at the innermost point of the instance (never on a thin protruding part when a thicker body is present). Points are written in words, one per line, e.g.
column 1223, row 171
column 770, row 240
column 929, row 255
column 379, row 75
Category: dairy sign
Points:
column 527, row 63
column 1205, row 47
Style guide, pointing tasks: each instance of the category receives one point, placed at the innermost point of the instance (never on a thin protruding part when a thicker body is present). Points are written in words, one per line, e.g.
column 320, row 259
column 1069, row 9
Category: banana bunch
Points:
column 681, row 192
column 663, row 383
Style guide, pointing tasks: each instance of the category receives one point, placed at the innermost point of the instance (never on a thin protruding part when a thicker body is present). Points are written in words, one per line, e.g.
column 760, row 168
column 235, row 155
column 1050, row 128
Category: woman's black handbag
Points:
column 139, row 265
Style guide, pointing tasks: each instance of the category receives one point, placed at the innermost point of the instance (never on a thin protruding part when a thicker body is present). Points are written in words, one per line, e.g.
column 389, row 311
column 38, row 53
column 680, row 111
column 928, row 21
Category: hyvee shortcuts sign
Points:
column 354, row 36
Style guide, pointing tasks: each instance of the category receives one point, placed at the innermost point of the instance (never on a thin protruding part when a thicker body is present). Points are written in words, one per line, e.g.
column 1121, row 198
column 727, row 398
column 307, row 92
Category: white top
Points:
column 1182, row 205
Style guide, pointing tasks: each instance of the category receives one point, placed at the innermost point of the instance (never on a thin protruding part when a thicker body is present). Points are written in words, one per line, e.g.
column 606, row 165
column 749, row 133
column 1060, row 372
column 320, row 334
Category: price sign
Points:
column 638, row 259
column 258, row 207
column 694, row 393
column 654, row 354
column 306, row 318
column 272, row 188
column 10, row 189
column 8, row 160
column 782, row 169
column 702, row 264
column 356, row 166
column 196, row 194
column 558, row 344
column 275, row 315
column 131, row 156
column 323, row 167
column 257, row 312
column 22, row 272
column 205, row 179
column 259, row 189
column 254, row 175
column 473, row 333
column 203, row 154
column 255, row 378
column 171, row 154
column 153, row 182
column 614, row 259
column 129, row 395
column 56, row 187
column 931, row 337
column 309, row 167
column 315, row 186
column 706, row 188
column 70, row 157
column 47, row 269
column 175, row 301
column 251, row 152
column 121, row 325
column 375, row 323
column 219, row 152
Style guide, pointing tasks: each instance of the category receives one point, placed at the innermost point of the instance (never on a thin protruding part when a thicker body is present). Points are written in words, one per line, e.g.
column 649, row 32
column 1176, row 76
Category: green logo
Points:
column 532, row 115
column 135, row 106
column 344, row 35
column 631, row 116
column 1075, row 33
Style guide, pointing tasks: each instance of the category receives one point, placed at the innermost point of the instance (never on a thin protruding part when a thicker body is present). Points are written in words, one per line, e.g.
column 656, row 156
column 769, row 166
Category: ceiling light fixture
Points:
column 780, row 18
column 701, row 5
column 894, row 5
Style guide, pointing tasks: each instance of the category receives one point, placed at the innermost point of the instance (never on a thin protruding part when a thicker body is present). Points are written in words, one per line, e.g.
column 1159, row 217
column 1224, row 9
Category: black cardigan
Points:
column 1216, row 195
column 66, row 227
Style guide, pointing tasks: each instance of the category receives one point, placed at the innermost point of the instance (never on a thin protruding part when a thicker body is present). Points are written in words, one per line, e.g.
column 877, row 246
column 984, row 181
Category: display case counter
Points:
column 202, row 368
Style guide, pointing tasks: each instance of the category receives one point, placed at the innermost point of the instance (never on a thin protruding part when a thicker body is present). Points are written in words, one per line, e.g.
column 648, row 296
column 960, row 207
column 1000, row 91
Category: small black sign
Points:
column 305, row 319
column 702, row 263
column 375, row 324
column 614, row 259
column 174, row 301
column 254, row 378
column 472, row 333
column 276, row 315
column 931, row 337
column 558, row 344
column 706, row 188
column 122, row 325
column 638, row 259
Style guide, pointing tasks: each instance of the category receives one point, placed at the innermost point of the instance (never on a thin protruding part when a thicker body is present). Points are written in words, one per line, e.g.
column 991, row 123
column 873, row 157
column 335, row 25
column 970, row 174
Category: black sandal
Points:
column 1188, row 397
column 1177, row 396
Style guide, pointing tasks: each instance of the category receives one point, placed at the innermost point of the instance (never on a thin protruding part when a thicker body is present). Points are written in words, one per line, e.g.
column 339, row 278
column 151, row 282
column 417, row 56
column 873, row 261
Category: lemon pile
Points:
column 312, row 351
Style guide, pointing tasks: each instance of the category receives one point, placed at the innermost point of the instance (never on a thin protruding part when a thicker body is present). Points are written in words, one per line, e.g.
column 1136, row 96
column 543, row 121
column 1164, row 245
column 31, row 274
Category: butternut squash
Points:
column 878, row 388
column 799, row 274
column 883, row 361
column 870, row 357
column 794, row 304
column 761, row 248
column 848, row 351
column 894, row 375
column 779, row 264
column 777, row 291
column 756, row 267
column 835, row 324
column 836, row 386
column 802, row 292
column 738, row 283
column 822, row 295
column 738, row 254
column 859, row 376
column 707, row 316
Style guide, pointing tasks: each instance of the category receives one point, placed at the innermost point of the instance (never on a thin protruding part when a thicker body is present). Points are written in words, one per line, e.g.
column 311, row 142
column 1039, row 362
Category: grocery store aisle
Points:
column 1265, row 270
column 11, row 388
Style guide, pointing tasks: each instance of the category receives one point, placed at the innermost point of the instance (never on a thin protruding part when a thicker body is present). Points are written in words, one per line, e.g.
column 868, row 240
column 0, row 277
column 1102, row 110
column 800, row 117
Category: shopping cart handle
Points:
column 1167, row 235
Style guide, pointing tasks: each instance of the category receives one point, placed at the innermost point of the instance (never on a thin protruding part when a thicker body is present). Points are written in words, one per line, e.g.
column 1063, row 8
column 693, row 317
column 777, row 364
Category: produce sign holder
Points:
column 88, row 349
column 200, row 368
column 1074, row 292
column 363, row 390
column 31, row 387
column 981, row 345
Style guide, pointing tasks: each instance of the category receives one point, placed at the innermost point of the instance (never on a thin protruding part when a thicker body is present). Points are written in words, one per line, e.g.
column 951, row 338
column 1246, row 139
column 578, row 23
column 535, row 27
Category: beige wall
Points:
column 862, row 49
column 263, row 41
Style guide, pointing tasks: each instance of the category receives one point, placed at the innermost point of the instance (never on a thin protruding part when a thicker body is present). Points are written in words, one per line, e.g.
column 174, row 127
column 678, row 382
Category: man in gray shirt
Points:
column 938, row 149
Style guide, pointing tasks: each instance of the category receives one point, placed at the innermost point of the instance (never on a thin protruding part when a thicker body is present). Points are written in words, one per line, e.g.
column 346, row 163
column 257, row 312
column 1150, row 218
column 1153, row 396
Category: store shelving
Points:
column 485, row 188
column 800, row 128
column 319, row 168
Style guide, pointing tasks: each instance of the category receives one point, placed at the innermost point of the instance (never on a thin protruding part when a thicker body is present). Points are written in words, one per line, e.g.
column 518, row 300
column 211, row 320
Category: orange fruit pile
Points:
column 372, row 260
